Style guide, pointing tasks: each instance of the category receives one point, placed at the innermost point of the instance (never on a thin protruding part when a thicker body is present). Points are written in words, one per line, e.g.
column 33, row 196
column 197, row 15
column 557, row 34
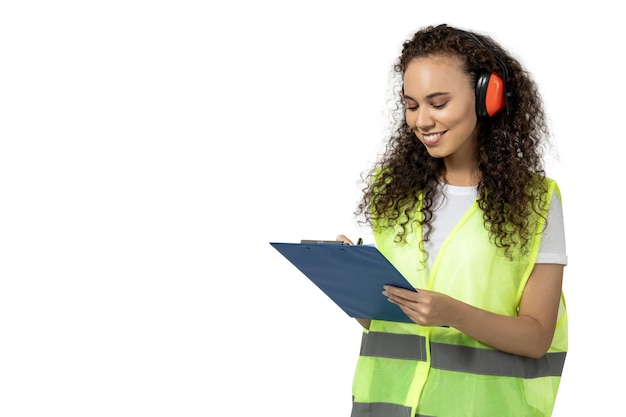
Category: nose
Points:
column 423, row 118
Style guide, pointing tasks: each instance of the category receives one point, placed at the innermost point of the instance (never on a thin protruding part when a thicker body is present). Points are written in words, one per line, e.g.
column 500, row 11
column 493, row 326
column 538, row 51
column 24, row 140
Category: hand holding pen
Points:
column 344, row 239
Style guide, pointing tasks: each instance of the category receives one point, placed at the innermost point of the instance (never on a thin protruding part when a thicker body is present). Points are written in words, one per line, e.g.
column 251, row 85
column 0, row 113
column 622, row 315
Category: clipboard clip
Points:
column 328, row 242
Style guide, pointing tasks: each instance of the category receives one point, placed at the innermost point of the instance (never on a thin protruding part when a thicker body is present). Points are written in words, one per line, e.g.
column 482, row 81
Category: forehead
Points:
column 435, row 74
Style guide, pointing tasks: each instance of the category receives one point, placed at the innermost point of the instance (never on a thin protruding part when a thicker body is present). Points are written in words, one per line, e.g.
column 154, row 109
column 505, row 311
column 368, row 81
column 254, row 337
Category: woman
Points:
column 460, row 204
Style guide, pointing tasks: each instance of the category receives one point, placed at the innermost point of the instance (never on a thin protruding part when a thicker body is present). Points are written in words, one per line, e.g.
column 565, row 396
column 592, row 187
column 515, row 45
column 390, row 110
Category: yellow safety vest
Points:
column 407, row 370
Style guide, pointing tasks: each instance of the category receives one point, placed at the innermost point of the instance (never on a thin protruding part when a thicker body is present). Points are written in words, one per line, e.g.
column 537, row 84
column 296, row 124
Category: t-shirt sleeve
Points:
column 552, row 248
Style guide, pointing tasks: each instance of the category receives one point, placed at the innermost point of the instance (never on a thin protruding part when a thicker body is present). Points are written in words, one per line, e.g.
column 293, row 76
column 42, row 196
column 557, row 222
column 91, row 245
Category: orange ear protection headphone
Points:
column 491, row 95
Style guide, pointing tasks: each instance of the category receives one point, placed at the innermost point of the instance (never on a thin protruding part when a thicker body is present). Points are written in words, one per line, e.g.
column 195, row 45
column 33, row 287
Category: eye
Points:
column 410, row 105
column 439, row 105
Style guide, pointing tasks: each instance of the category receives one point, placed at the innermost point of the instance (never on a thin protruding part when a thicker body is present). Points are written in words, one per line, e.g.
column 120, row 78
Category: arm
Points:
column 529, row 333
column 364, row 322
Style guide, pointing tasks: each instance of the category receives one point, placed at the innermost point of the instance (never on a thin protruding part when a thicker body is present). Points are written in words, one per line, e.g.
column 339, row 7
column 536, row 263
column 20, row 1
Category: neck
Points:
column 461, row 167
column 462, row 180
column 462, row 174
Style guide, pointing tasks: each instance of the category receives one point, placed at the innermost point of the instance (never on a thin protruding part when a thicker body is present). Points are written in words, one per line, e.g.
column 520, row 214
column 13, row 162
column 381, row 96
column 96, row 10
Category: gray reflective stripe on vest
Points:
column 494, row 362
column 395, row 346
column 380, row 410
column 461, row 358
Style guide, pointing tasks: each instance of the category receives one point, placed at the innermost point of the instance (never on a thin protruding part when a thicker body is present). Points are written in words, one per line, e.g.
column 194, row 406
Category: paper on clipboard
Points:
column 351, row 275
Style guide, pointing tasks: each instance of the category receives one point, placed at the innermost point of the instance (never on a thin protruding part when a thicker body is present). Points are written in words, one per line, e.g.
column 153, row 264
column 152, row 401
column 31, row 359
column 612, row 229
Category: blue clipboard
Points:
column 351, row 275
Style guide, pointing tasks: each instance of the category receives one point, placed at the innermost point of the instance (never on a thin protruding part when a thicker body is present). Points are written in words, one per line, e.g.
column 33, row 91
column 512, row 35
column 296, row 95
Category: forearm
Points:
column 529, row 333
column 520, row 335
column 364, row 322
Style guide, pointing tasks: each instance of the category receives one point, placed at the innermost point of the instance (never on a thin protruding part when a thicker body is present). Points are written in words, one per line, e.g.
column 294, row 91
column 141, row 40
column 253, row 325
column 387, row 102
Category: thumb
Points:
column 344, row 239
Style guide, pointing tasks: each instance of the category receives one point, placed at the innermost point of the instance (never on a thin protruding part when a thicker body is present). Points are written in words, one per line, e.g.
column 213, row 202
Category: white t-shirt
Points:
column 454, row 201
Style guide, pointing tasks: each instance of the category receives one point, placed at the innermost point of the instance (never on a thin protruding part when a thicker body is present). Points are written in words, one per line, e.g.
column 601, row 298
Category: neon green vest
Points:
column 406, row 370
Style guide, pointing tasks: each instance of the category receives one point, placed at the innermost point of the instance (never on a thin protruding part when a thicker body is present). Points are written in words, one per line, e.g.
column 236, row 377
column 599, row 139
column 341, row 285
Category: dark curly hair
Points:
column 510, row 146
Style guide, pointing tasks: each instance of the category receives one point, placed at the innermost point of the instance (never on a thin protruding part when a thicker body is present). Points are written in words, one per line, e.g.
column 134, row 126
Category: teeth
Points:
column 432, row 137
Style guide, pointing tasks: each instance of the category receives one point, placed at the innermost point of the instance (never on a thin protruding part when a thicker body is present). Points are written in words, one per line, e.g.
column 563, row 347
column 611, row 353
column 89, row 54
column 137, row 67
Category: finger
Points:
column 397, row 300
column 344, row 239
column 399, row 293
column 410, row 312
column 400, row 300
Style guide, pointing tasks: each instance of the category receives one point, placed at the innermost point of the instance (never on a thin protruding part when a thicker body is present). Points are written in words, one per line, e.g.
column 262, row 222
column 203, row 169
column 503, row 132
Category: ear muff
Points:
column 490, row 94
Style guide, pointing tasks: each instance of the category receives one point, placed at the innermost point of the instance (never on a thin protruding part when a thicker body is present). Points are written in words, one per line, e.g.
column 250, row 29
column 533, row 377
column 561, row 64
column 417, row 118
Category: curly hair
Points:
column 510, row 146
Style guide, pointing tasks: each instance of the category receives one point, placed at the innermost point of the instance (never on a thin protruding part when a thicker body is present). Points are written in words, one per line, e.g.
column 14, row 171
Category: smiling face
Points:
column 440, row 108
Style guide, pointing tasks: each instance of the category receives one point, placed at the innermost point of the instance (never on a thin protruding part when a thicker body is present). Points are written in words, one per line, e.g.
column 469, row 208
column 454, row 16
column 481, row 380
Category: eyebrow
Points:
column 430, row 96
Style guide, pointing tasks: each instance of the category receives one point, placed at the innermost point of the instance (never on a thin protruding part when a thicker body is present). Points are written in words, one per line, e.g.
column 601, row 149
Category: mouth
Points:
column 432, row 138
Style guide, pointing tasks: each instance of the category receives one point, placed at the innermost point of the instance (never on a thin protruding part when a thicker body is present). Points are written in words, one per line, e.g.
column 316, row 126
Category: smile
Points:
column 432, row 138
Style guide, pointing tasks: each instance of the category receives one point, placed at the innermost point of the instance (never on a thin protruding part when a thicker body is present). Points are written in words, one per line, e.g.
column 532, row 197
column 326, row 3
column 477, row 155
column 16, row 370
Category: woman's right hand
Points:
column 344, row 239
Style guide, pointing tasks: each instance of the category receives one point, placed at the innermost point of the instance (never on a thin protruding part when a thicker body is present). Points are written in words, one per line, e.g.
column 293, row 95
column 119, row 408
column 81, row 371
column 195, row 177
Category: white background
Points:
column 151, row 150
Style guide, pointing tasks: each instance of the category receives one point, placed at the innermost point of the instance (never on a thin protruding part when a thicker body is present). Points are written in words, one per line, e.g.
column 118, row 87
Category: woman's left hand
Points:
column 426, row 308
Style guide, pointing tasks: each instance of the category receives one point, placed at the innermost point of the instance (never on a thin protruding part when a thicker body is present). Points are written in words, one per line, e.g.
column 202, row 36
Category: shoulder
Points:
column 544, row 181
column 544, row 187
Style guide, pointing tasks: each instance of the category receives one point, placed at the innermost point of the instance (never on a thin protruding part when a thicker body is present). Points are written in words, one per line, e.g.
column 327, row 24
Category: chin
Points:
column 436, row 153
